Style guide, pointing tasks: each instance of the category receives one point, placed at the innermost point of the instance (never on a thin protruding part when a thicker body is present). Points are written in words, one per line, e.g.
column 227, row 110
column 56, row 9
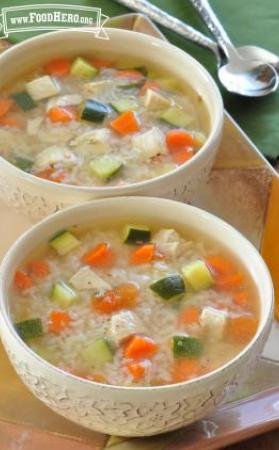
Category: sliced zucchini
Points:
column 186, row 347
column 25, row 164
column 155, row 102
column 105, row 167
column 143, row 70
column 170, row 84
column 41, row 88
column 199, row 139
column 124, row 105
column 136, row 234
column 97, row 353
column 29, row 329
column 62, row 294
column 94, row 111
column 132, row 85
column 176, row 117
column 64, row 242
column 24, row 100
column 197, row 275
column 81, row 68
column 169, row 287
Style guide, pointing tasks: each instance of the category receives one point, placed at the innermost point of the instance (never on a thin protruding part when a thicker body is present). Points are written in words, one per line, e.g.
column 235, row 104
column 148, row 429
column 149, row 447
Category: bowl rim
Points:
column 68, row 212
column 215, row 129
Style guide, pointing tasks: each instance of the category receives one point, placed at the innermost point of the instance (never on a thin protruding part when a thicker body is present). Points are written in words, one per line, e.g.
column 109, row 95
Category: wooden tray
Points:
column 244, row 190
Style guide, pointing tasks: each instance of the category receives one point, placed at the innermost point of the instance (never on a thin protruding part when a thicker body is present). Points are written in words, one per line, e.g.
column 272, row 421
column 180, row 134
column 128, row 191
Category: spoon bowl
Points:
column 252, row 52
column 251, row 78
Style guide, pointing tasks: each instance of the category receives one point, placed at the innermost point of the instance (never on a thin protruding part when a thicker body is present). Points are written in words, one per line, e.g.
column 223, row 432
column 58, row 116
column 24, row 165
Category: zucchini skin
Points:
column 169, row 287
column 135, row 235
column 186, row 346
column 28, row 329
column 94, row 111
column 24, row 101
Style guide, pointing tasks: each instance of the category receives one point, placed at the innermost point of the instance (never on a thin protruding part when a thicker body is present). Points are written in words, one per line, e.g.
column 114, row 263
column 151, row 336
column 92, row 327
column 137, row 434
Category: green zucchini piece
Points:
column 197, row 275
column 29, row 329
column 97, row 353
column 64, row 242
column 186, row 346
column 83, row 69
column 124, row 105
column 25, row 164
column 176, row 117
column 94, row 111
column 132, row 85
column 136, row 234
column 143, row 70
column 169, row 287
column 24, row 100
column 170, row 84
column 105, row 167
column 63, row 294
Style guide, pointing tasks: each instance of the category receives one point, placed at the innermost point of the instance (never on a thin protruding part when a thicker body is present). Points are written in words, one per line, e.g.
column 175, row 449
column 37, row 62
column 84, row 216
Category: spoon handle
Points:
column 215, row 26
column 168, row 21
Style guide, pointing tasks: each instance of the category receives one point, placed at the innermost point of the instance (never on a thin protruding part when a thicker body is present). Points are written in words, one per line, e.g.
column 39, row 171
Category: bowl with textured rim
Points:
column 36, row 197
column 133, row 411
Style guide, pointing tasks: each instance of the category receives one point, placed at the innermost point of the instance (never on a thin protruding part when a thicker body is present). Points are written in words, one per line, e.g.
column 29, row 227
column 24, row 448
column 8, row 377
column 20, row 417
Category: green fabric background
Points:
column 253, row 22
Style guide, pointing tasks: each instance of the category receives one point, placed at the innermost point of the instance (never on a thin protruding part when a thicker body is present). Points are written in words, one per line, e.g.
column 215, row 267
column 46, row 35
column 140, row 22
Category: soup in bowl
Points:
column 85, row 118
column 133, row 315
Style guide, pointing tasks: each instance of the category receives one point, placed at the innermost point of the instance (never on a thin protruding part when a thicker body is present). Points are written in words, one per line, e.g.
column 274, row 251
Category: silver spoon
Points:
column 249, row 77
column 258, row 77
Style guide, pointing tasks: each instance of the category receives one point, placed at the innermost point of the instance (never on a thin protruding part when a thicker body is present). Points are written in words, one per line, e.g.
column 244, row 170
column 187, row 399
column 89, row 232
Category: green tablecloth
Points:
column 252, row 22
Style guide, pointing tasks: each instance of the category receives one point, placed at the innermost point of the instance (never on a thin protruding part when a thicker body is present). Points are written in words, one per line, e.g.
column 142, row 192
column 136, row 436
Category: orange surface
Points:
column 270, row 241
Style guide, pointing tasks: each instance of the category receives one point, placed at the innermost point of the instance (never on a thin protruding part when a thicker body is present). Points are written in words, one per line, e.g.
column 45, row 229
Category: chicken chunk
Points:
column 167, row 241
column 53, row 155
column 94, row 142
column 214, row 320
column 86, row 279
column 123, row 325
column 149, row 144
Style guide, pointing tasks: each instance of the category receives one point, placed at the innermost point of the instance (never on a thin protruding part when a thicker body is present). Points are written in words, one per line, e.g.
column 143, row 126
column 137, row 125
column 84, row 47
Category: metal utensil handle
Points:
column 168, row 21
column 215, row 26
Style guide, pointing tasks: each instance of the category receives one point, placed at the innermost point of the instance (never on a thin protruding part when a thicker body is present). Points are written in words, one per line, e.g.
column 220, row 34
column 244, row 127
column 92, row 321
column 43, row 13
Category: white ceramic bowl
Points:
column 36, row 197
column 138, row 411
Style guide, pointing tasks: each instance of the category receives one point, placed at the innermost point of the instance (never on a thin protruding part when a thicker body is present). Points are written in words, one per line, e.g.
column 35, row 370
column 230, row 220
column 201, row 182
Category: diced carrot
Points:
column 149, row 84
column 126, row 123
column 101, row 63
column 58, row 67
column 137, row 370
column 58, row 176
column 241, row 329
column 131, row 74
column 181, row 156
column 97, row 377
column 6, row 105
column 189, row 316
column 11, row 121
column 127, row 293
column 58, row 321
column 39, row 268
column 22, row 280
column 229, row 282
column 99, row 256
column 184, row 369
column 143, row 254
column 219, row 265
column 58, row 114
column 140, row 347
column 107, row 304
column 178, row 140
column 240, row 298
